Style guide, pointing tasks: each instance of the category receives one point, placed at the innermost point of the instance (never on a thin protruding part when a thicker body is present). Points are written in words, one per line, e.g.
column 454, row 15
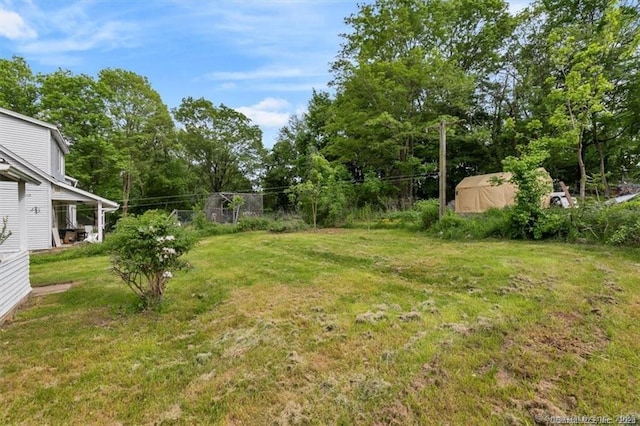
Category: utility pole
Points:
column 442, row 129
column 442, row 173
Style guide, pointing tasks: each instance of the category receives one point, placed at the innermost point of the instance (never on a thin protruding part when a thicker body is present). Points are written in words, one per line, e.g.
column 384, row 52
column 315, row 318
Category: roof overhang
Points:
column 9, row 172
column 64, row 192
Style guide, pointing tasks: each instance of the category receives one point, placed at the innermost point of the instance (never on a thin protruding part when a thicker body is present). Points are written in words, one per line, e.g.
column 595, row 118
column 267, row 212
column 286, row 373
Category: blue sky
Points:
column 262, row 58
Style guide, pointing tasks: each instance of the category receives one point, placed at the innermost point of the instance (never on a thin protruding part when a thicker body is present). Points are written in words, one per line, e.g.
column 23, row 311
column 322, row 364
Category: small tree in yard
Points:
column 146, row 251
column 322, row 194
column 236, row 203
column 529, row 178
column 4, row 233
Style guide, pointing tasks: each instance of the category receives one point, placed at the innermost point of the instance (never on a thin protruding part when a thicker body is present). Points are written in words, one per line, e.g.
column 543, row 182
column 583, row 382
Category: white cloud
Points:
column 65, row 31
column 269, row 112
column 274, row 104
column 13, row 27
column 110, row 35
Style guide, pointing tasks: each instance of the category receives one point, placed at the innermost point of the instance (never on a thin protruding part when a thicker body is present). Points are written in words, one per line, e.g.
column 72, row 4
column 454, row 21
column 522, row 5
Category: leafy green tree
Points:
column 580, row 83
column 404, row 65
column 221, row 145
column 75, row 104
column 322, row 194
column 281, row 171
column 532, row 185
column 566, row 58
column 18, row 86
column 141, row 127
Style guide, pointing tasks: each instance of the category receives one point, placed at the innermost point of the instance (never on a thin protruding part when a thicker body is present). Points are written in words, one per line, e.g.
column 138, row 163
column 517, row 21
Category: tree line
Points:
column 561, row 74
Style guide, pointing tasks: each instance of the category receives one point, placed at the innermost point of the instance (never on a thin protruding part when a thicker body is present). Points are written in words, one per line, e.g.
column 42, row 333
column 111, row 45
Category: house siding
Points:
column 57, row 160
column 9, row 209
column 28, row 140
column 14, row 282
column 39, row 216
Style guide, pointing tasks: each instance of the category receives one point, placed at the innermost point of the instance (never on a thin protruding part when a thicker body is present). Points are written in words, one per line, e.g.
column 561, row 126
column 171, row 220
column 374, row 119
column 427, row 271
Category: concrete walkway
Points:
column 50, row 289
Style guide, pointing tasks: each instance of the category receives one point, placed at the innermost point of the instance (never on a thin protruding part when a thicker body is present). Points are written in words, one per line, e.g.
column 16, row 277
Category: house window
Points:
column 60, row 162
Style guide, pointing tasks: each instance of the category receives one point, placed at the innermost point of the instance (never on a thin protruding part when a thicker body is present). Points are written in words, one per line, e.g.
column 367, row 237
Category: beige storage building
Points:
column 476, row 194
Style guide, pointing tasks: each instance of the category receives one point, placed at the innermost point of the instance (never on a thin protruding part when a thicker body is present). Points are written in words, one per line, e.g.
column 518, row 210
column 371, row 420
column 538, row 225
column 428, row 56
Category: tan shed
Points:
column 476, row 194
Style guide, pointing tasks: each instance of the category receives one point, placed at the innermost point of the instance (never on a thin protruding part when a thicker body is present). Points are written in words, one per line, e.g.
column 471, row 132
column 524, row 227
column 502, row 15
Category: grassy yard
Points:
column 334, row 327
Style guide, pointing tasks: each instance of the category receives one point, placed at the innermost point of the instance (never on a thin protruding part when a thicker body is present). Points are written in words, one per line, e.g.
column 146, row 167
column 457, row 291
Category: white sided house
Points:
column 14, row 264
column 38, row 149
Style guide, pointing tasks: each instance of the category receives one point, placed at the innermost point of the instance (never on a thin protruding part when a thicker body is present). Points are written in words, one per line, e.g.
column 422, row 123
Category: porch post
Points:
column 22, row 215
column 100, row 220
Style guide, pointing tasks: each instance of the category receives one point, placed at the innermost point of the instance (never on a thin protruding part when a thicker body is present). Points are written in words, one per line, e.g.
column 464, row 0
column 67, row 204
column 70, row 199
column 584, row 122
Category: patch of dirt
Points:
column 51, row 289
column 426, row 305
column 371, row 387
column 409, row 316
column 172, row 414
column 612, row 286
column 395, row 414
column 459, row 328
column 430, row 374
column 504, row 379
column 562, row 334
column 294, row 359
column 293, row 414
column 414, row 339
column 541, row 410
column 241, row 340
column 370, row 317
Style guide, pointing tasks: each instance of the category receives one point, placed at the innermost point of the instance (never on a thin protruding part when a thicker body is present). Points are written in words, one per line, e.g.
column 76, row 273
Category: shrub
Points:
column 429, row 212
column 492, row 223
column 555, row 223
column 287, row 225
column 253, row 224
column 452, row 227
column 617, row 224
column 146, row 251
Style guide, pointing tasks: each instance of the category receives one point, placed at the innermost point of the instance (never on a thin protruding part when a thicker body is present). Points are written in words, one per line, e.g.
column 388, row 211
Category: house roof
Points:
column 55, row 133
column 9, row 172
column 62, row 190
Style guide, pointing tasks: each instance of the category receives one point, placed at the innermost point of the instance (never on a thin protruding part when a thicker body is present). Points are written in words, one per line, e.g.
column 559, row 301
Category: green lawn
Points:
column 339, row 326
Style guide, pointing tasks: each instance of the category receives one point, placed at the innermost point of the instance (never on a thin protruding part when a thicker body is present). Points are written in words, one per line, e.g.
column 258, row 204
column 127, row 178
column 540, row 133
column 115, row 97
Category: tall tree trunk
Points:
column 583, row 170
column 126, row 190
column 603, row 175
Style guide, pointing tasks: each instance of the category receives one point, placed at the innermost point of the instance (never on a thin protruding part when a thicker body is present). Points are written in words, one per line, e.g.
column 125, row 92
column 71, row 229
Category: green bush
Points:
column 492, row 223
column 287, row 225
column 555, row 223
column 206, row 228
column 429, row 212
column 617, row 224
column 145, row 252
column 452, row 227
column 407, row 219
column 253, row 224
